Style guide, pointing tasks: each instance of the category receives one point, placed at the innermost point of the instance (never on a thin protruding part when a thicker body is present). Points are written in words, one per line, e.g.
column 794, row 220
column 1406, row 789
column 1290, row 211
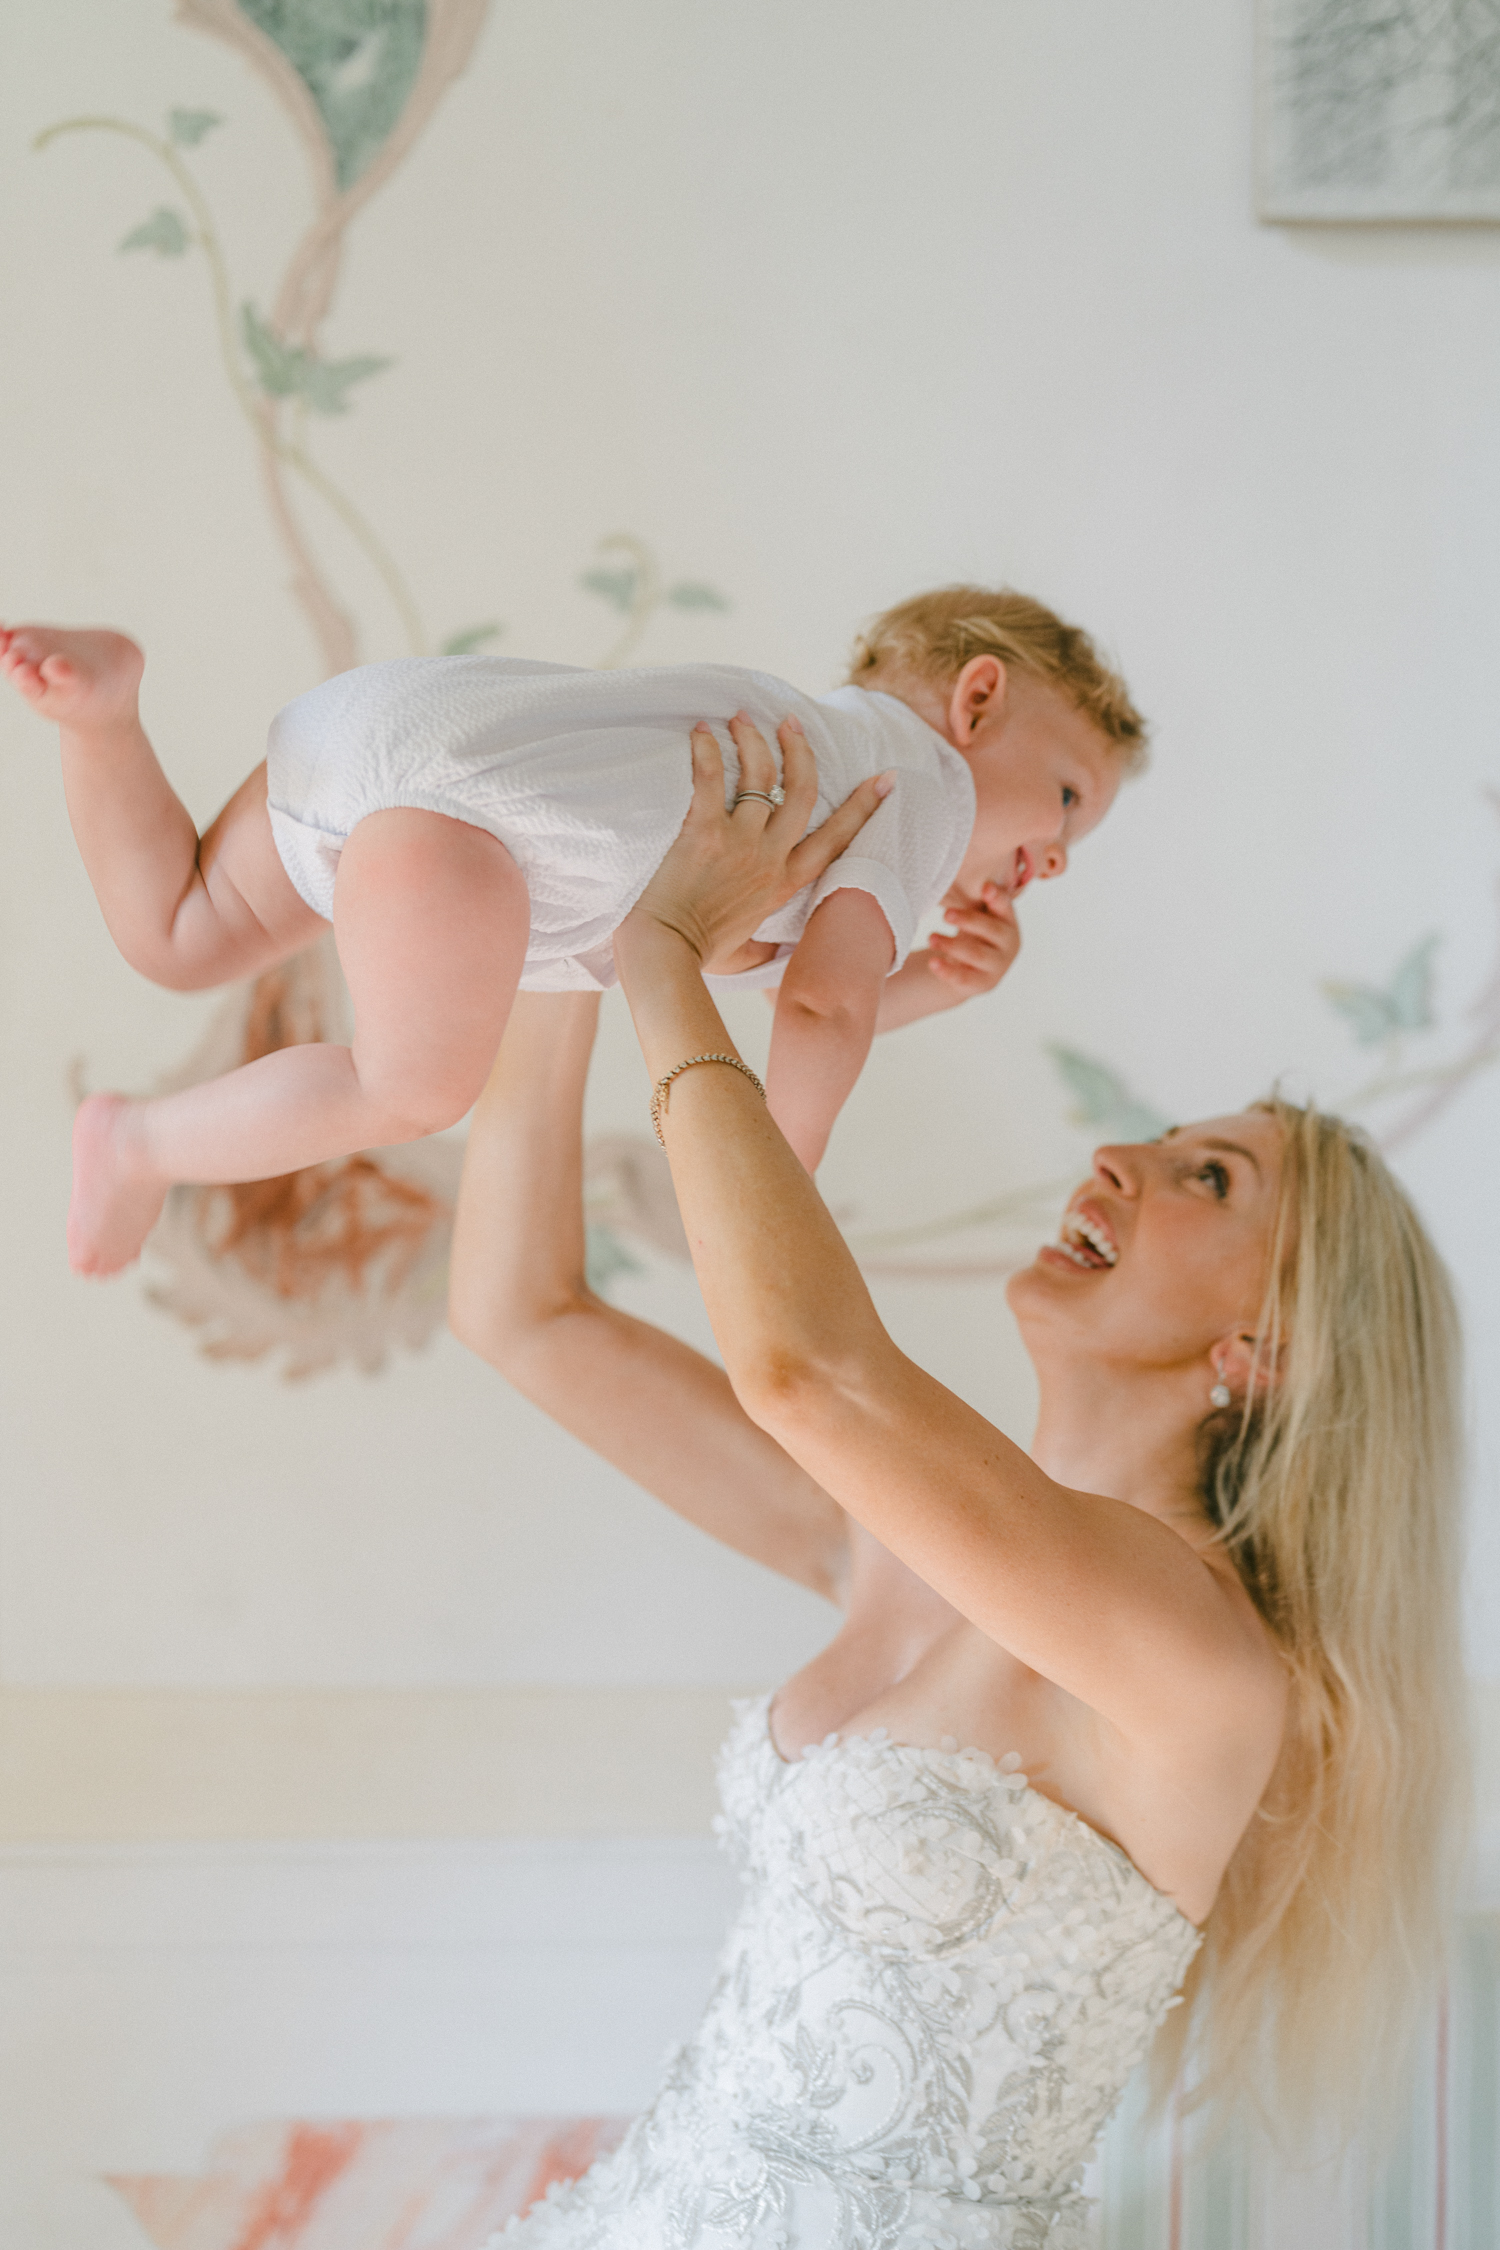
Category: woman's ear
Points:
column 978, row 693
column 1238, row 1360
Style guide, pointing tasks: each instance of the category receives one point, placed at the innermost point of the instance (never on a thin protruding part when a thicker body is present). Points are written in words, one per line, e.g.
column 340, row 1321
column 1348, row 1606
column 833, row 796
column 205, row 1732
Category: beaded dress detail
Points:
column 927, row 2007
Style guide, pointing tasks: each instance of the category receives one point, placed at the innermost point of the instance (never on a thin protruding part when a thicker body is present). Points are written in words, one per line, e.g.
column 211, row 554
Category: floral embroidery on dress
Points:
column 926, row 2009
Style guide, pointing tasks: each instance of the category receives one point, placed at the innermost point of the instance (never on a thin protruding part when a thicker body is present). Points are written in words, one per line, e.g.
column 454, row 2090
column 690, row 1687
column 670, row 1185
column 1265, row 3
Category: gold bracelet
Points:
column 659, row 1098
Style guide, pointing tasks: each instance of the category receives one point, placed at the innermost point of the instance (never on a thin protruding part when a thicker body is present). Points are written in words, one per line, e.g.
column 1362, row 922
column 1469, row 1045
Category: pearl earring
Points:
column 1221, row 1395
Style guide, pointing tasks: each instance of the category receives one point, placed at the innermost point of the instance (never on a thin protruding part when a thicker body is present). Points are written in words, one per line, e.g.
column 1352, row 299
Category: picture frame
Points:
column 1378, row 112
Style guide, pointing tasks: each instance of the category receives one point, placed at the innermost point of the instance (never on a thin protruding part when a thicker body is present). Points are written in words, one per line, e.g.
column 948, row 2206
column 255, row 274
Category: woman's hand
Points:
column 728, row 870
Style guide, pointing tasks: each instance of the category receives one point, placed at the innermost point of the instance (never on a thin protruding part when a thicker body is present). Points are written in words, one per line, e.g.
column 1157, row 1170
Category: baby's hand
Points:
column 985, row 938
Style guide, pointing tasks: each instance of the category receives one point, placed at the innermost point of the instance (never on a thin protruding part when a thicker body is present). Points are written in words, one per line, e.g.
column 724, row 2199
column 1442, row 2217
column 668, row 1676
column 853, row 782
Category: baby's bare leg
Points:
column 185, row 911
column 432, row 919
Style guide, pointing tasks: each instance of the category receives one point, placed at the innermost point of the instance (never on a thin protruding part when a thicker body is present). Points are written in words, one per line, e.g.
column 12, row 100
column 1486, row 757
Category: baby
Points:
column 471, row 824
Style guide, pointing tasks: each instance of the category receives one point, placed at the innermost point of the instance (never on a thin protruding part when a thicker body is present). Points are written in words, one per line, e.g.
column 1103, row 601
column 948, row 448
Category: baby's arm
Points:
column 825, row 1017
column 956, row 964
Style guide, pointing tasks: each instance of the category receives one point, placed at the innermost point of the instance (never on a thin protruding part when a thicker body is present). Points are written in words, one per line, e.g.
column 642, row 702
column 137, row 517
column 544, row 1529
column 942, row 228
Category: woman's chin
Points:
column 1026, row 1287
column 1052, row 1280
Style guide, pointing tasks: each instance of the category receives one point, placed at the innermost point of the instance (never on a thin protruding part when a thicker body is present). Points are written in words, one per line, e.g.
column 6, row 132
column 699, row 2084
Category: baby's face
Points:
column 1043, row 776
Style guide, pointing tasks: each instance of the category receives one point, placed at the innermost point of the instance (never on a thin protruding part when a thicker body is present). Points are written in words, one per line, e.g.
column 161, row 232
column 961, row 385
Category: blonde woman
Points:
column 1165, row 1707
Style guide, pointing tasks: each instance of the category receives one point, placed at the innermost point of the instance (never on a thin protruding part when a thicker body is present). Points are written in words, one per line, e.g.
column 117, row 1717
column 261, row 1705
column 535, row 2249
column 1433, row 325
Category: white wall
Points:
column 827, row 304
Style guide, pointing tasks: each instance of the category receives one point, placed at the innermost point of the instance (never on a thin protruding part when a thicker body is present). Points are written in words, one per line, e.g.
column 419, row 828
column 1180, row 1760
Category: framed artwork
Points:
column 1381, row 111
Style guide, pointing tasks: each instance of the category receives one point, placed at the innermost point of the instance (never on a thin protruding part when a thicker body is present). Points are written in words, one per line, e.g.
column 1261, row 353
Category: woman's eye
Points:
column 1217, row 1176
column 1070, row 798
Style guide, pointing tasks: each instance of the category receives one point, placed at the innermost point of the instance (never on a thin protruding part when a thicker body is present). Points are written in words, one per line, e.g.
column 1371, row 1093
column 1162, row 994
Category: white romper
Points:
column 586, row 778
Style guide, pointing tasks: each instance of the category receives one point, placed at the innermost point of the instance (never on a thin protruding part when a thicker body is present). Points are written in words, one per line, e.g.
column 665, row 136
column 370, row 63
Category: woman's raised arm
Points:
column 657, row 1409
column 1094, row 1594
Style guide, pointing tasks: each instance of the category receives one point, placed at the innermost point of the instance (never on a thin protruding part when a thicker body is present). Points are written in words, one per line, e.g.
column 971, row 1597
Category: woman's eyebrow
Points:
column 1230, row 1148
column 1234, row 1148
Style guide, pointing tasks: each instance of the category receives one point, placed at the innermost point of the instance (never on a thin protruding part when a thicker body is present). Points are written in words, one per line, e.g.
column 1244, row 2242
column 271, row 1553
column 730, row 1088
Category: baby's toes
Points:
column 21, row 650
column 22, row 674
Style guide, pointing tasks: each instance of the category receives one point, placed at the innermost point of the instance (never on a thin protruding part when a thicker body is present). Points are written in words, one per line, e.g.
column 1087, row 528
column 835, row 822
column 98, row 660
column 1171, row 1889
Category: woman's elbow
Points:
column 479, row 1326
column 532, row 1343
column 500, row 1329
column 781, row 1389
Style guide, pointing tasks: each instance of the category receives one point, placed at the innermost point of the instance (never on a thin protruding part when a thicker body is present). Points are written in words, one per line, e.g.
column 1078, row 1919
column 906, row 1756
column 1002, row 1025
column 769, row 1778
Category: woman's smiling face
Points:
column 1163, row 1252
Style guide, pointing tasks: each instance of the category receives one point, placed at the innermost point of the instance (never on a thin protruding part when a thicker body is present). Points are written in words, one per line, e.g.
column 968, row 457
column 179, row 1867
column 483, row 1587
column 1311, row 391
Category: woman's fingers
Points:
column 724, row 874
column 708, row 775
column 799, row 776
column 817, row 851
column 757, row 762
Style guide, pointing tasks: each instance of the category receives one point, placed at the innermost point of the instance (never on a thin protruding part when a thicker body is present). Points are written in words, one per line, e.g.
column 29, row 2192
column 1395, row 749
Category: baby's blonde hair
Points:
column 1337, row 1494
column 935, row 635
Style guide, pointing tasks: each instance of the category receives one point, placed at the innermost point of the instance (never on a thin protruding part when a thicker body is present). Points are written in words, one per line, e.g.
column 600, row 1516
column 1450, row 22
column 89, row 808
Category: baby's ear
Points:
column 978, row 693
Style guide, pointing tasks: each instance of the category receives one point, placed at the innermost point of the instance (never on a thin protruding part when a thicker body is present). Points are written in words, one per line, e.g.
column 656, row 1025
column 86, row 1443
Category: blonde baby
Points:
column 474, row 824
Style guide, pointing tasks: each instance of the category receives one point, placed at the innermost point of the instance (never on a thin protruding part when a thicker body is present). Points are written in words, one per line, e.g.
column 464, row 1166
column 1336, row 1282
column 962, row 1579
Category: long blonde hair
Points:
column 1336, row 1491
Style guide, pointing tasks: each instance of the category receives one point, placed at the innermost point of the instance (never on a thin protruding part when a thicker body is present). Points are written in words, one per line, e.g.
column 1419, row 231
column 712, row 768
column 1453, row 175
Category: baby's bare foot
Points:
column 117, row 1200
column 82, row 679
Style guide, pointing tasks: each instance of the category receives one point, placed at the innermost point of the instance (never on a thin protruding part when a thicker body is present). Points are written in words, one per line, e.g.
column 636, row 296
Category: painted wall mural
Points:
column 353, row 2184
column 346, row 1261
column 343, row 1261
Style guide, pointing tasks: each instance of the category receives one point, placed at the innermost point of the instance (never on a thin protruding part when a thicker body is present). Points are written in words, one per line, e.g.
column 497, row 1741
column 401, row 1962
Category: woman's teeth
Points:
column 1080, row 1237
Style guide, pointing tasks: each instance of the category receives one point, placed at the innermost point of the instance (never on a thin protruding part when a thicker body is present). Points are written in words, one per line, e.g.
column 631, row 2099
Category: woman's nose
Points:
column 1051, row 860
column 1116, row 1164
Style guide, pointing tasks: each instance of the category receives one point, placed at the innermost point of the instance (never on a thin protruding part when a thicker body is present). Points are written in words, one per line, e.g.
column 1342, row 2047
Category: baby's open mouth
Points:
column 1086, row 1242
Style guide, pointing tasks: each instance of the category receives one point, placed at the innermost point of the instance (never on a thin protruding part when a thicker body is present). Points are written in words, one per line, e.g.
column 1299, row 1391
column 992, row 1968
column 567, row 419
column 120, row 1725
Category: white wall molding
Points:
column 141, row 1764
column 673, row 1891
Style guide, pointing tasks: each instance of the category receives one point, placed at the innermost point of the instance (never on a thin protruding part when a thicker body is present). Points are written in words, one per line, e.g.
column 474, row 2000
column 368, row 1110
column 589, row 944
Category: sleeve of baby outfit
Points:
column 899, row 856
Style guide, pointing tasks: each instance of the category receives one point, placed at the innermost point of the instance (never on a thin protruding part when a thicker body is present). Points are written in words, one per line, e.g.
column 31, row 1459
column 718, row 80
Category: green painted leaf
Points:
column 275, row 363
column 606, row 1257
column 472, row 638
column 188, row 126
column 163, row 232
column 325, row 383
column 691, row 595
column 1366, row 1010
column 358, row 59
column 289, row 371
column 1410, row 989
column 1405, row 1004
column 617, row 586
column 1101, row 1098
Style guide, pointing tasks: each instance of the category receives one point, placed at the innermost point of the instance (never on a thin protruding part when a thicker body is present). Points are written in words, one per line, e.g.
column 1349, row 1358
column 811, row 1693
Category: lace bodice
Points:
column 928, row 2005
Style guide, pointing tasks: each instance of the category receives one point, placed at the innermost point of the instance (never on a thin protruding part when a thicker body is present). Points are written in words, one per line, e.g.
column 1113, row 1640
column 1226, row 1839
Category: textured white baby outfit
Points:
column 586, row 778
column 929, row 2004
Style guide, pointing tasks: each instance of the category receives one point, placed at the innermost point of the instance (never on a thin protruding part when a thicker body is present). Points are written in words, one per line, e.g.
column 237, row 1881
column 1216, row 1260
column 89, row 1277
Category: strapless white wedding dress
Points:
column 929, row 2004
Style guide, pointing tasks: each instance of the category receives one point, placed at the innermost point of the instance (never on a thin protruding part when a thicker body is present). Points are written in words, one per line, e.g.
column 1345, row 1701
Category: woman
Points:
column 1171, row 1698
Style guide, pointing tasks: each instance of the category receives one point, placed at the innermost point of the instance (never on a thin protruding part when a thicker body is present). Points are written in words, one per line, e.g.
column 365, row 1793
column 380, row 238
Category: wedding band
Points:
column 776, row 796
